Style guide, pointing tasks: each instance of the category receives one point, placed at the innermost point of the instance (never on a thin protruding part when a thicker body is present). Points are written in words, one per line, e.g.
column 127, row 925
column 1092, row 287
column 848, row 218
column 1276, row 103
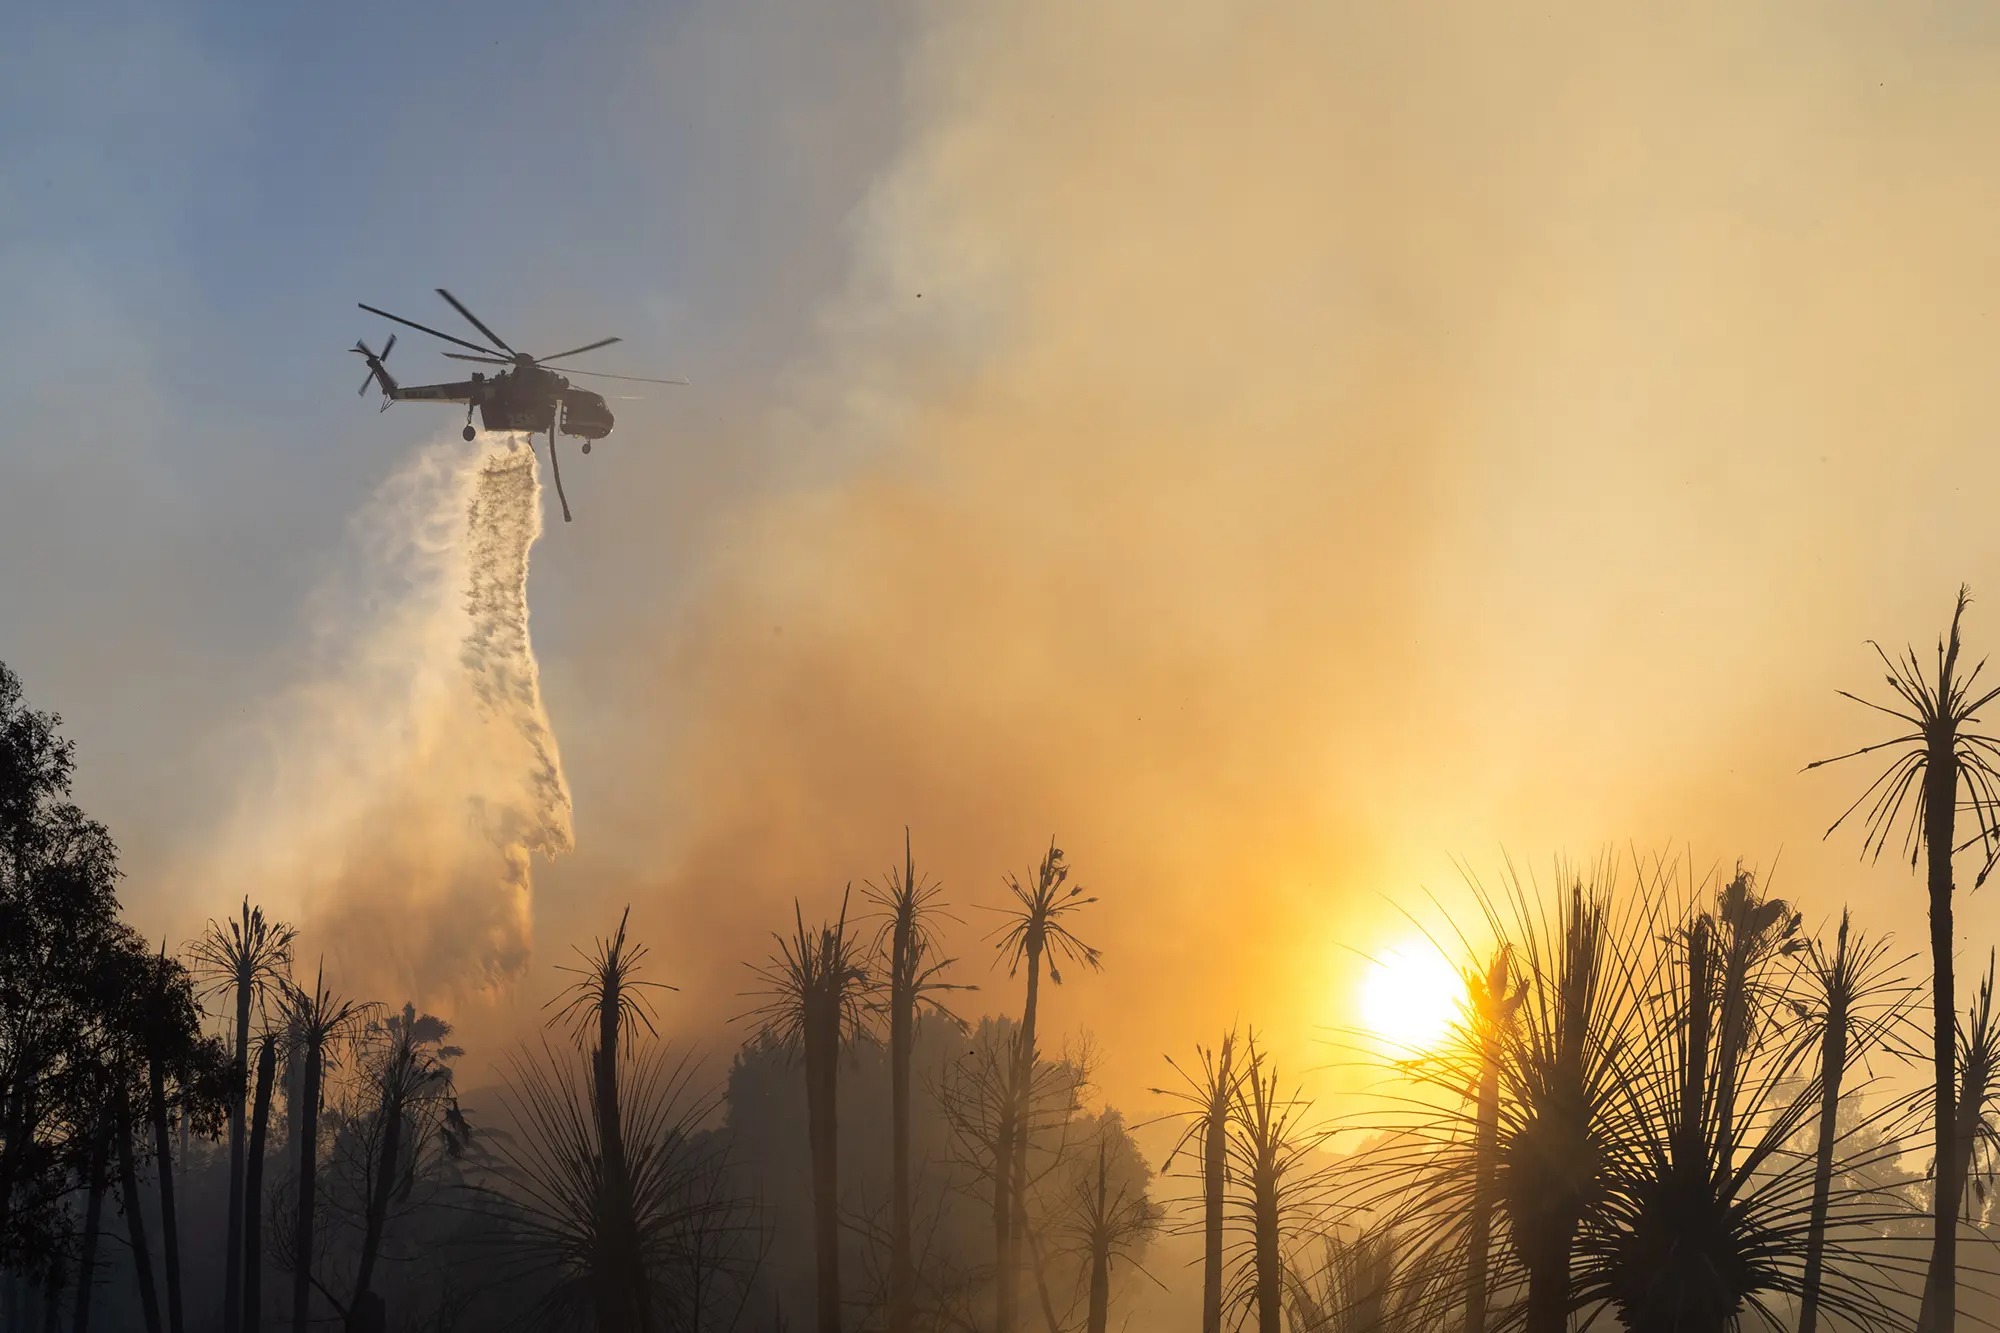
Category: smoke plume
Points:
column 410, row 779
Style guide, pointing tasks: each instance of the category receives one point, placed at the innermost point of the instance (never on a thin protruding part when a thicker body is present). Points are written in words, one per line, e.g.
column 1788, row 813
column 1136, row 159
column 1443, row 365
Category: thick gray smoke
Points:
column 406, row 785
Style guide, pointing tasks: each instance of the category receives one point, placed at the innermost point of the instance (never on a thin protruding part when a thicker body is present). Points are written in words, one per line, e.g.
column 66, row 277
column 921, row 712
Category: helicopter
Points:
column 529, row 395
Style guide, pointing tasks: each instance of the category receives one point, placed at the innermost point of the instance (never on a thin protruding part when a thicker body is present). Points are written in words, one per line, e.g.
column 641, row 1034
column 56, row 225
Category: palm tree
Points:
column 1978, row 1065
column 605, row 1001
column 1493, row 998
column 244, row 959
column 1369, row 1284
column 411, row 1076
column 253, row 1188
column 693, row 1237
column 321, row 1022
column 1940, row 762
column 908, row 905
column 1210, row 1095
column 1270, row 1147
column 1034, row 929
column 1857, row 999
column 1106, row 1226
column 815, row 987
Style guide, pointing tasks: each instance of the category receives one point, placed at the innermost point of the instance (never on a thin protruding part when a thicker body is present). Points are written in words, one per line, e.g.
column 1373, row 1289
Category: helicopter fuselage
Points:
column 526, row 398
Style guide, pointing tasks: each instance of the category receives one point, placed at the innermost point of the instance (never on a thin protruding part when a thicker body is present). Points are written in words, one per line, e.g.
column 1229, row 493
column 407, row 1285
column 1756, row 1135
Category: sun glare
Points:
column 1410, row 996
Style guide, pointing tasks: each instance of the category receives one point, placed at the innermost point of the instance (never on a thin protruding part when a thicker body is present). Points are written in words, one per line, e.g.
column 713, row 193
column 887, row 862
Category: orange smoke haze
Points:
column 1278, row 449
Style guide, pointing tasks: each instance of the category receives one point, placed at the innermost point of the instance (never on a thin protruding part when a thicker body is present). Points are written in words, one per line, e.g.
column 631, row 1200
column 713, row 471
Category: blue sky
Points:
column 196, row 195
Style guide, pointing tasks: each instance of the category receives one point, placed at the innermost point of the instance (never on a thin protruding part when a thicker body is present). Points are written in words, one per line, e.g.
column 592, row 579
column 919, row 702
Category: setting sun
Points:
column 1410, row 996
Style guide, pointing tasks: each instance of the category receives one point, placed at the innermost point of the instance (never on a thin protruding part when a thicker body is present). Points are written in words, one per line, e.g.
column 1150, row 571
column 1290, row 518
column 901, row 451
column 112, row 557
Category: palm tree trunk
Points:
column 1214, row 1171
column 253, row 1192
column 1100, row 1253
column 1485, row 1167
column 169, row 1228
column 307, row 1120
column 625, row 1292
column 822, row 1041
column 1270, row 1262
column 1940, row 796
column 1832, row 1065
column 135, row 1215
column 902, row 1036
column 1017, row 1153
column 93, row 1220
column 232, row 1281
column 378, row 1201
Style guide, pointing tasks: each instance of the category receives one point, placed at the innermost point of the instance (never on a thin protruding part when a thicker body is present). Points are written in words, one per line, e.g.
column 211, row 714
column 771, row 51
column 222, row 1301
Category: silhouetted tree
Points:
column 1942, row 762
column 1856, row 997
column 58, row 921
column 246, row 959
column 908, row 907
column 321, row 1023
column 1494, row 997
column 605, row 1002
column 412, row 1084
column 1110, row 1220
column 1034, row 929
column 815, row 986
column 253, row 1188
column 1209, row 1094
column 1270, row 1147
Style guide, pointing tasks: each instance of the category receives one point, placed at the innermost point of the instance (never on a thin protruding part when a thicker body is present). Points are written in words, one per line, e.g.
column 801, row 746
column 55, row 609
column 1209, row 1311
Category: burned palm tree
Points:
column 1107, row 1224
column 1940, row 763
column 982, row 1100
column 1035, row 930
column 1978, row 1063
column 915, row 976
column 1208, row 1094
column 1560, row 1072
column 1494, row 996
column 246, row 959
column 605, row 1002
column 1854, row 999
column 253, row 1187
column 415, row 1103
column 320, row 1024
column 697, row 1246
column 1276, row 1191
column 815, row 987
column 1371, row 1283
column 1652, row 1089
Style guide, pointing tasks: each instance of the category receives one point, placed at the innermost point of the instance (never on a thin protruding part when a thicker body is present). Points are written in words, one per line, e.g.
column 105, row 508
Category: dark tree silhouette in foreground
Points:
column 320, row 1025
column 607, row 1002
column 1209, row 1094
column 245, row 960
column 1035, row 929
column 1940, row 763
column 253, row 1187
column 815, row 987
column 909, row 907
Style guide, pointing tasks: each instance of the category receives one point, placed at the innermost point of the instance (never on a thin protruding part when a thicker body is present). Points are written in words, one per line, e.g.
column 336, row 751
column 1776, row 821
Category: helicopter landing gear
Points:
column 468, row 432
column 586, row 446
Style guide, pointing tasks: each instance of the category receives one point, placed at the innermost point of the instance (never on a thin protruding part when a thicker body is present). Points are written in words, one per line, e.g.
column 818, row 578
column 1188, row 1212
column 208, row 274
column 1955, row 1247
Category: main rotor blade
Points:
column 575, row 351
column 598, row 374
column 491, row 336
column 425, row 328
column 483, row 360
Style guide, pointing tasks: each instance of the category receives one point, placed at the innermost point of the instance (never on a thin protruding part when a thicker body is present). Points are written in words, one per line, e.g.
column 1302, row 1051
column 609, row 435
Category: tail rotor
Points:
column 377, row 372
